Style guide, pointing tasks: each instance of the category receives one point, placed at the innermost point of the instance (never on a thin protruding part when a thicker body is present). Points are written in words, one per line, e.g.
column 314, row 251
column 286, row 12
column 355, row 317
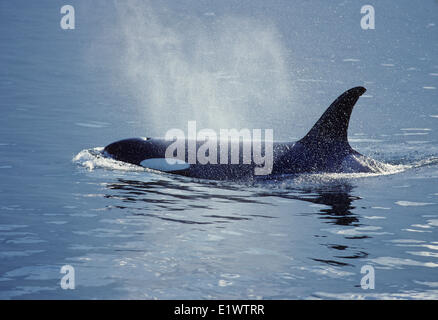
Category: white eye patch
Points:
column 165, row 164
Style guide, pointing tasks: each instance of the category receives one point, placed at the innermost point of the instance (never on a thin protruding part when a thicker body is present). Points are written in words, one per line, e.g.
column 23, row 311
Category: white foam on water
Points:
column 95, row 158
column 364, row 140
column 413, row 204
column 416, row 129
column 356, row 163
column 92, row 124
column 412, row 134
column 374, row 217
column 351, row 60
column 425, row 162
column 417, row 142
column 395, row 262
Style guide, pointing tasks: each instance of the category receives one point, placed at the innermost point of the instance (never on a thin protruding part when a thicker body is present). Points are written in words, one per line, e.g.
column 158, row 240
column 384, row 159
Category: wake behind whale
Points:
column 323, row 150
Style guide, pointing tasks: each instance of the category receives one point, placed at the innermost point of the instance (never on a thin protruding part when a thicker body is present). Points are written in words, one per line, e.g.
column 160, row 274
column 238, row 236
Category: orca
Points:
column 324, row 149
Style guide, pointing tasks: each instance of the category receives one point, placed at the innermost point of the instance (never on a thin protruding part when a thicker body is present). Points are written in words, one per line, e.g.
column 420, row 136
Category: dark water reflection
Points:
column 175, row 195
column 196, row 202
column 338, row 197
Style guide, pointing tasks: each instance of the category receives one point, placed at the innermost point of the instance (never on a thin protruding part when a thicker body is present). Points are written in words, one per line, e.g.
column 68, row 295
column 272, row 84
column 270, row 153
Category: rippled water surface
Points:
column 134, row 233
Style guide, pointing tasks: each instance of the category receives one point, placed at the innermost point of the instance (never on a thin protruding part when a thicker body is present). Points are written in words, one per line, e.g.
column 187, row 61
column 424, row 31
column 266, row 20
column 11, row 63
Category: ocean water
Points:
column 139, row 68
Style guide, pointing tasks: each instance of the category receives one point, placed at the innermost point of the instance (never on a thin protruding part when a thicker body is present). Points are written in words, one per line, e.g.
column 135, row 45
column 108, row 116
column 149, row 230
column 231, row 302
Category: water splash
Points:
column 95, row 158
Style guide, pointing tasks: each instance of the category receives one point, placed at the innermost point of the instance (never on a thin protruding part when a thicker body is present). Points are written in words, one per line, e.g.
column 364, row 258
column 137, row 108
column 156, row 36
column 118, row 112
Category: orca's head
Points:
column 127, row 150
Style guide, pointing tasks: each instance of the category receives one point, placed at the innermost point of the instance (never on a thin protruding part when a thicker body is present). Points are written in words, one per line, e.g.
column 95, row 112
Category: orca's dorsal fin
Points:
column 332, row 127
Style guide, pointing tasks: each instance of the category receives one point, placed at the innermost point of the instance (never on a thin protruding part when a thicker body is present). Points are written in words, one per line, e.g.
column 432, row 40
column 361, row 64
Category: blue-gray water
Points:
column 138, row 69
